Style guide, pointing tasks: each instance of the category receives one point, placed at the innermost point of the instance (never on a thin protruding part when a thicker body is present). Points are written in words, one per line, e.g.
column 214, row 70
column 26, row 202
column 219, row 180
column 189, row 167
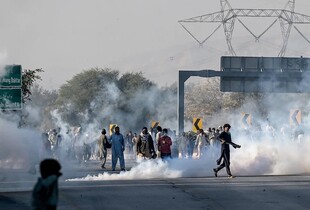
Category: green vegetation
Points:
column 103, row 96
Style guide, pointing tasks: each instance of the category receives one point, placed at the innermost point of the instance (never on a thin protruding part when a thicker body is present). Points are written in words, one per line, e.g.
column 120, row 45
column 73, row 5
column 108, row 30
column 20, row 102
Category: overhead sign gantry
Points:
column 253, row 74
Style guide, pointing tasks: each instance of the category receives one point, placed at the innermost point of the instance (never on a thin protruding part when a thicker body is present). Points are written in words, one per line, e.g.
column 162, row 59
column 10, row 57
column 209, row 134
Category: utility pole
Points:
column 227, row 17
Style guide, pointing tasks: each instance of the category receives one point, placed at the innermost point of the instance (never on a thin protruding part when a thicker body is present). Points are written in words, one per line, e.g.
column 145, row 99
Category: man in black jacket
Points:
column 225, row 139
column 145, row 145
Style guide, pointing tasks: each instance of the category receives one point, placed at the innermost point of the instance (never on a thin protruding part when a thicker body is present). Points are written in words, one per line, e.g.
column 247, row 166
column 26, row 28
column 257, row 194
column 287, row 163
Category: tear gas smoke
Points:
column 20, row 147
column 260, row 154
column 254, row 158
column 149, row 169
column 130, row 113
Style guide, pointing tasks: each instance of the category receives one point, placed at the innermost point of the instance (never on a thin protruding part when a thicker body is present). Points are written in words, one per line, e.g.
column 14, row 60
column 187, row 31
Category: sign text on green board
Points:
column 10, row 98
column 11, row 76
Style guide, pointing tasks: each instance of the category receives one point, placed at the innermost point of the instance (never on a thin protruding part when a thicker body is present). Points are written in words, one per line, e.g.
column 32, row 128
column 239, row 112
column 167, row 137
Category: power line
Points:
column 287, row 18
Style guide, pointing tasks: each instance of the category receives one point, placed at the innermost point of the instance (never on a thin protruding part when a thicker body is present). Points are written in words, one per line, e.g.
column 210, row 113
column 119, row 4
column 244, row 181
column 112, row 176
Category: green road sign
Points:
column 11, row 76
column 10, row 98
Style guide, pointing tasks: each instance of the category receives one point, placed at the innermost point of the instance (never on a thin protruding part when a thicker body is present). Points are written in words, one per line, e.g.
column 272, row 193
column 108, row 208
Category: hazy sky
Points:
column 65, row 37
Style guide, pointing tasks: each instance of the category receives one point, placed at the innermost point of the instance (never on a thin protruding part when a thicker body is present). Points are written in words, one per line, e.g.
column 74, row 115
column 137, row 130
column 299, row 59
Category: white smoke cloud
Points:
column 264, row 157
column 20, row 147
column 260, row 154
column 278, row 157
column 149, row 169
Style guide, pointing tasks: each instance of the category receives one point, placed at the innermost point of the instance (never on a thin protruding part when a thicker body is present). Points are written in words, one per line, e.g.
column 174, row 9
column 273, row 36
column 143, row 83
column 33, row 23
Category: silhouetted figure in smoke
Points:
column 52, row 137
column 45, row 191
column 102, row 147
column 145, row 145
column 75, row 150
column 153, row 133
column 59, row 143
column 216, row 138
column 134, row 144
column 128, row 142
column 190, row 144
column 182, row 144
column 212, row 137
column 200, row 143
column 86, row 152
column 225, row 139
column 118, row 148
column 159, row 133
column 46, row 146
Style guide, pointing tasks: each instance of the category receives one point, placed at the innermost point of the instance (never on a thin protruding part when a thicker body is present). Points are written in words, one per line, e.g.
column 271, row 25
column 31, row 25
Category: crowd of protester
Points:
column 151, row 143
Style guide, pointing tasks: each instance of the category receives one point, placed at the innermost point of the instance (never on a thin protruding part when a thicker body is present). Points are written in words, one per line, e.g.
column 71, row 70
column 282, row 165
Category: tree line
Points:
column 103, row 96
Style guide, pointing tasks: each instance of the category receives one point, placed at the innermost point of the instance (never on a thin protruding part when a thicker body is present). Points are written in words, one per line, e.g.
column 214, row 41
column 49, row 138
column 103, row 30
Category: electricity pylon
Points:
column 287, row 18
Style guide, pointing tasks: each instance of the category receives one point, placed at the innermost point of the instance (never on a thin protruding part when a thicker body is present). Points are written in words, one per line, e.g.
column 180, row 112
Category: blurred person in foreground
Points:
column 225, row 139
column 164, row 145
column 45, row 191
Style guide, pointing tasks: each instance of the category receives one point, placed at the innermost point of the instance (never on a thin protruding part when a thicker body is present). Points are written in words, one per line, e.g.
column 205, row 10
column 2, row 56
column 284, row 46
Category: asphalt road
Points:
column 219, row 193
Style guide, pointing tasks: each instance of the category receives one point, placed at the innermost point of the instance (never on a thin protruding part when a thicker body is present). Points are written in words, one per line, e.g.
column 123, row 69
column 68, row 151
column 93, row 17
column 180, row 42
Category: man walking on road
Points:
column 225, row 139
